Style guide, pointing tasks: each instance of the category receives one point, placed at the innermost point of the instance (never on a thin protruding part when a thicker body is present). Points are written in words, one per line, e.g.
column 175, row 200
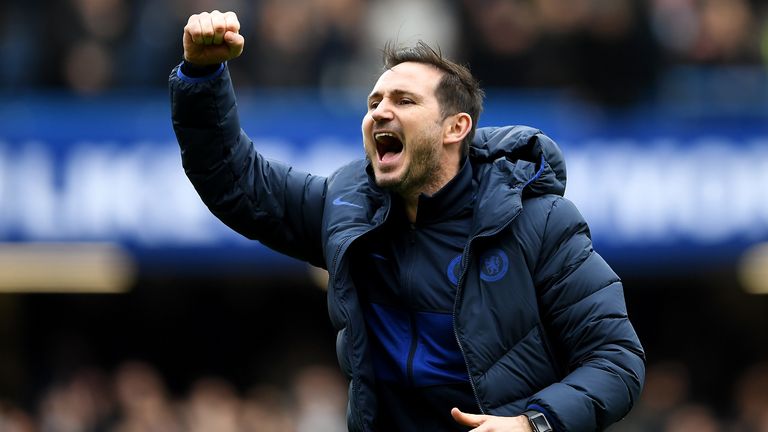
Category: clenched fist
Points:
column 211, row 38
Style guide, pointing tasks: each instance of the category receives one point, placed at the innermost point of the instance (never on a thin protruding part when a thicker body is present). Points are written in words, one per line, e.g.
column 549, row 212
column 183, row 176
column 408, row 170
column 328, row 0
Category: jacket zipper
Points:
column 408, row 291
column 412, row 351
column 464, row 265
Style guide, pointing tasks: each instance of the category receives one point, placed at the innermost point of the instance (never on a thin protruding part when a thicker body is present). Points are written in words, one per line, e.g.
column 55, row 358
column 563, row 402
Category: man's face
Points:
column 402, row 130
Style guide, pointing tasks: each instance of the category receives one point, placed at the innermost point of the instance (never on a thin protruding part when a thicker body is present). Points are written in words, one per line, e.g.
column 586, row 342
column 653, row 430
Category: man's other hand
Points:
column 211, row 38
column 487, row 423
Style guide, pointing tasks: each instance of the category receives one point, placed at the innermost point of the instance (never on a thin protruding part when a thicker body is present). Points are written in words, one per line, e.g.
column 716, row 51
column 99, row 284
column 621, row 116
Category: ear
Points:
column 456, row 128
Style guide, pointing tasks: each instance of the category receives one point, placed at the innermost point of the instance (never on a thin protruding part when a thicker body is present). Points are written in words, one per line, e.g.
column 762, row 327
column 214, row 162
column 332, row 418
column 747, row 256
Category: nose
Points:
column 382, row 112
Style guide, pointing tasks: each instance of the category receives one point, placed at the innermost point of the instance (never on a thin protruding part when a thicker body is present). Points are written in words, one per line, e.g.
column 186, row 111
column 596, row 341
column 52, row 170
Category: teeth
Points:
column 380, row 135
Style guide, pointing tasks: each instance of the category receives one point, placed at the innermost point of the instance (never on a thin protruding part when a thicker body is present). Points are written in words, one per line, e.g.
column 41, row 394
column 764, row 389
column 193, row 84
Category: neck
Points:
column 411, row 207
column 441, row 178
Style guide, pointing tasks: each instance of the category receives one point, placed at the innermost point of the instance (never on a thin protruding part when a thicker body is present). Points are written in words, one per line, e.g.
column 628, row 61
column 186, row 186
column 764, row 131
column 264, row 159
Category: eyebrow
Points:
column 395, row 92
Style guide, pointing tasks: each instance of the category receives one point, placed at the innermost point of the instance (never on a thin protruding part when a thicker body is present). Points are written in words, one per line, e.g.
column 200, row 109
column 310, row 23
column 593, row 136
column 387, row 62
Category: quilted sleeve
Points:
column 582, row 305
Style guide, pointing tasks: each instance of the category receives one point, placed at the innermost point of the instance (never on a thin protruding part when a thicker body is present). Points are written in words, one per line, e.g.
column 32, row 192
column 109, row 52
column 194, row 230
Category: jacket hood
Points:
column 512, row 163
column 539, row 166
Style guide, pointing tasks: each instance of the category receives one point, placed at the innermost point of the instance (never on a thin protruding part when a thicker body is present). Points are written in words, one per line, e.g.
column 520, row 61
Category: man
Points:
column 463, row 285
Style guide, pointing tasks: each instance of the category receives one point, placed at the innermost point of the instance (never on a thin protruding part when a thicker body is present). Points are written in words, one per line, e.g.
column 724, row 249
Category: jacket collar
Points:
column 449, row 201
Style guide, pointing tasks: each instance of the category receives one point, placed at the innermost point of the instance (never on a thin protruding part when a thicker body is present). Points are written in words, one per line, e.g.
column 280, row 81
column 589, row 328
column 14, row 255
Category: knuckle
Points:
column 231, row 18
column 193, row 29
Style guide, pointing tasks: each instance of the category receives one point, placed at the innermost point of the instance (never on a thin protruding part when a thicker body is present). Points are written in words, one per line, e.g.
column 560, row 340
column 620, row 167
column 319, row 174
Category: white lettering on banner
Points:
column 31, row 198
column 660, row 192
column 4, row 195
column 632, row 193
column 139, row 192
column 102, row 191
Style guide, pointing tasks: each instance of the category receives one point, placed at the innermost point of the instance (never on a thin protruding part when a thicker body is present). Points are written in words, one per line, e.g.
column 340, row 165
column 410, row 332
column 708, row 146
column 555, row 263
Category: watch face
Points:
column 539, row 423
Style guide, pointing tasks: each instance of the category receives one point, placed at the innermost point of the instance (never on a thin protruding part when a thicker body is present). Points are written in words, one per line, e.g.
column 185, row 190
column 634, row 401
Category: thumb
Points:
column 235, row 42
column 232, row 38
column 467, row 419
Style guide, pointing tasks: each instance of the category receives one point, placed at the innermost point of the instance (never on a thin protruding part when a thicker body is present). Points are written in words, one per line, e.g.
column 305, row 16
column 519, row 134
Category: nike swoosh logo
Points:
column 340, row 202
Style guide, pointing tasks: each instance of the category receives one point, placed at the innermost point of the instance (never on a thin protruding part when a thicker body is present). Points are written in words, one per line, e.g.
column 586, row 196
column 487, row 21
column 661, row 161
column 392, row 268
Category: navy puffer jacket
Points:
column 539, row 316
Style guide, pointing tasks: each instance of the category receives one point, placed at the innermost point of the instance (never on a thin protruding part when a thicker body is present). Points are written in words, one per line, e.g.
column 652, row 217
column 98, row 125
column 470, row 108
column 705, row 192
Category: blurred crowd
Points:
column 607, row 50
column 135, row 398
column 669, row 403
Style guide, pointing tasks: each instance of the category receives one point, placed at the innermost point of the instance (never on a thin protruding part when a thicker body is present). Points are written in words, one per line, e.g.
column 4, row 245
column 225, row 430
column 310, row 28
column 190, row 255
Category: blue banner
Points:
column 660, row 185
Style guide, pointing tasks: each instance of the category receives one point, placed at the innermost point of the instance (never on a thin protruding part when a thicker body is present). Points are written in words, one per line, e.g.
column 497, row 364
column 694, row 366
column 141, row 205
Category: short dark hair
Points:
column 458, row 90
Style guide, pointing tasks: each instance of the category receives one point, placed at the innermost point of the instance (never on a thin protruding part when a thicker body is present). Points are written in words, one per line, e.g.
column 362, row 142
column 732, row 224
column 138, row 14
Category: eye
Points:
column 373, row 104
column 405, row 101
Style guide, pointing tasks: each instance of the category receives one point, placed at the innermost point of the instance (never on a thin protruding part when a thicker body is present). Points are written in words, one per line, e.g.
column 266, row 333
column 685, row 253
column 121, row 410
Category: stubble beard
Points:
column 422, row 173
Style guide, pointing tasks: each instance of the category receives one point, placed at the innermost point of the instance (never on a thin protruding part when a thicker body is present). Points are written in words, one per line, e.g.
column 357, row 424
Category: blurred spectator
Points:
column 321, row 400
column 666, row 390
column 266, row 409
column 13, row 419
column 213, row 405
column 751, row 399
column 82, row 403
column 142, row 400
column 726, row 33
column 692, row 418
column 675, row 25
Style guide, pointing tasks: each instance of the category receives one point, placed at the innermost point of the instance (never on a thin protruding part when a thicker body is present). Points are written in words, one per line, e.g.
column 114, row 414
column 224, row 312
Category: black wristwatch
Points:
column 538, row 421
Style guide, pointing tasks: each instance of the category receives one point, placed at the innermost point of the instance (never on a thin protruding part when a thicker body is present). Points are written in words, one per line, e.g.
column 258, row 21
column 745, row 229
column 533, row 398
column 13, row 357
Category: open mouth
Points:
column 388, row 145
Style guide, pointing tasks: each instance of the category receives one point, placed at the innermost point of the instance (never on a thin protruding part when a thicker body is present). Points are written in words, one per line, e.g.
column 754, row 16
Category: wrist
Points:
column 538, row 421
column 195, row 76
column 195, row 70
column 524, row 424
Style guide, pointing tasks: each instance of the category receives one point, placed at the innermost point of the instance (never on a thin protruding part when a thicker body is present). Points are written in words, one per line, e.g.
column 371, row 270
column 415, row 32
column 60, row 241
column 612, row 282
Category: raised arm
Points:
column 261, row 199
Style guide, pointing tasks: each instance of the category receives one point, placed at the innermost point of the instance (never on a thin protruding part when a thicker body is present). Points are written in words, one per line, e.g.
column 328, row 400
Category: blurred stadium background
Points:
column 125, row 306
